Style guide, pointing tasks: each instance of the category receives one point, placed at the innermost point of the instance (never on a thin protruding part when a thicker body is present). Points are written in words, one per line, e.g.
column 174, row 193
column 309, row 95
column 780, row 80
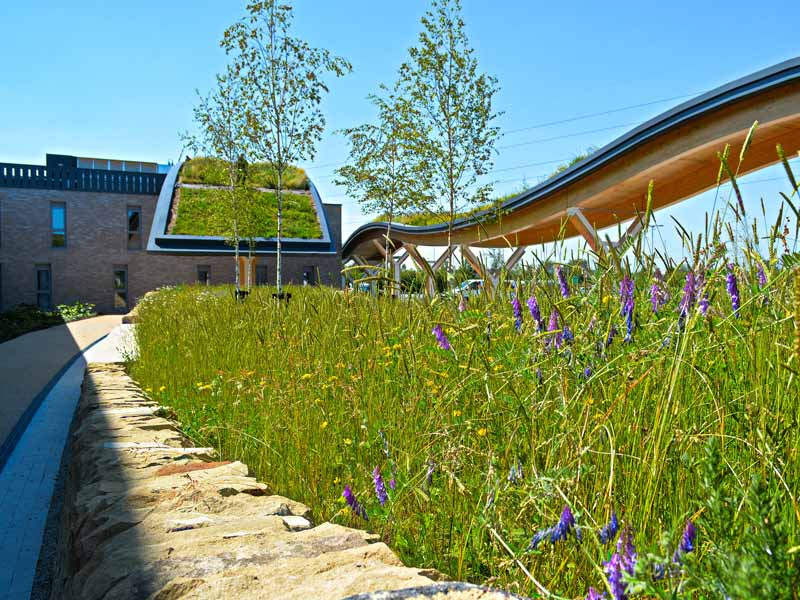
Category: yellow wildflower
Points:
column 482, row 431
column 306, row 376
column 348, row 442
column 323, row 425
column 162, row 388
column 456, row 413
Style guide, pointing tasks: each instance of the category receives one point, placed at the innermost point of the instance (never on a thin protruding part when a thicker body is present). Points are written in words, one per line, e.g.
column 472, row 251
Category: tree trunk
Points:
column 388, row 257
column 280, row 233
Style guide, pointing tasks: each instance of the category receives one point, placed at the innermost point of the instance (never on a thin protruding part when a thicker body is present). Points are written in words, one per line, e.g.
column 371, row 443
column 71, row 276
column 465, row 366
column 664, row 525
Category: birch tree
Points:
column 283, row 83
column 454, row 100
column 383, row 172
column 221, row 119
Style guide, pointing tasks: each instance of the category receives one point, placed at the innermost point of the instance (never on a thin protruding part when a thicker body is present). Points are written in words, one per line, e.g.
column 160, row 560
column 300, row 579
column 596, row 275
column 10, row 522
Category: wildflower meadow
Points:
column 621, row 428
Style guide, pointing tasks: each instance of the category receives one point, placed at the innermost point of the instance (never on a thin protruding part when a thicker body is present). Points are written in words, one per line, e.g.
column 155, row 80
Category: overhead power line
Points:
column 567, row 120
column 598, row 114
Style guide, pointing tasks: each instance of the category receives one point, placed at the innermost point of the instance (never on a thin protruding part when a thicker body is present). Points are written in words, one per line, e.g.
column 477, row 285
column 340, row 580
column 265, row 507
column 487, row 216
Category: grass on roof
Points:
column 203, row 211
column 213, row 171
column 423, row 219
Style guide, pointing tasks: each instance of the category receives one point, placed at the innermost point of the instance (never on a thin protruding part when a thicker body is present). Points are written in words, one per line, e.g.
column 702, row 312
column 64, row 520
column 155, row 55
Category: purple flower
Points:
column 533, row 306
column 354, row 504
column 393, row 483
column 626, row 295
column 441, row 338
column 614, row 569
column 462, row 304
column 515, row 306
column 689, row 295
column 562, row 282
column 595, row 595
column 552, row 326
column 569, row 337
column 610, row 529
column 733, row 290
column 626, row 550
column 702, row 291
column 515, row 474
column 688, row 537
column 587, row 372
column 539, row 537
column 655, row 297
column 658, row 292
column 380, row 488
column 704, row 304
column 611, row 335
column 539, row 376
column 565, row 524
column 762, row 276
column 629, row 325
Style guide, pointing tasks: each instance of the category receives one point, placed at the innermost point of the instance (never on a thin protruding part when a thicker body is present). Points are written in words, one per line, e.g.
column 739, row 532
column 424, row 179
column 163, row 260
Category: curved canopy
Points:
column 677, row 150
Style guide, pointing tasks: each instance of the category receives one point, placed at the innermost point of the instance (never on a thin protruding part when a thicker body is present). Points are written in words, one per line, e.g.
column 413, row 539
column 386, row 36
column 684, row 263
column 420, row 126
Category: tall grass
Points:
column 688, row 412
column 302, row 393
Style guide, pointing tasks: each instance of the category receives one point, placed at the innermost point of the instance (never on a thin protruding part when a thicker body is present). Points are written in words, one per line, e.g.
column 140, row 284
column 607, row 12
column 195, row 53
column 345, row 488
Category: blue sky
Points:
column 118, row 79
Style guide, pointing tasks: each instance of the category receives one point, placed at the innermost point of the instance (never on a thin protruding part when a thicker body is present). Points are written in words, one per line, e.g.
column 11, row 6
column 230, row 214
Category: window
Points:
column 261, row 274
column 44, row 287
column 121, row 287
column 308, row 275
column 134, row 227
column 58, row 224
column 204, row 274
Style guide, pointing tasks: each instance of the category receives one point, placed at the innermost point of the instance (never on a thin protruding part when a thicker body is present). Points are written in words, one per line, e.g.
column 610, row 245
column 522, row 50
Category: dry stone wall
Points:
column 148, row 516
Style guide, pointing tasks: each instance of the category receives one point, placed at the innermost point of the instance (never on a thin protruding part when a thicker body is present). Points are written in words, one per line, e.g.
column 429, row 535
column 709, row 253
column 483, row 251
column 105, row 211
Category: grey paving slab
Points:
column 28, row 478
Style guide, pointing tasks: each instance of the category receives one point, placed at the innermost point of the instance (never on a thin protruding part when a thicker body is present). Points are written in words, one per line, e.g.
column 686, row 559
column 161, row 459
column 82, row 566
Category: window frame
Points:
column 204, row 269
column 44, row 267
column 133, row 244
column 53, row 230
column 120, row 290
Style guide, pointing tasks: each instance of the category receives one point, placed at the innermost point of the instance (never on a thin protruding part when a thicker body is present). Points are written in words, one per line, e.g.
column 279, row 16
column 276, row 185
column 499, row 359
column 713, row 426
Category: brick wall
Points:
column 97, row 242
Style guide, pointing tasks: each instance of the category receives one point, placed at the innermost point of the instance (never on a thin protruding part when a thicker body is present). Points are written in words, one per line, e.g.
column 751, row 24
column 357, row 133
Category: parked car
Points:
column 470, row 287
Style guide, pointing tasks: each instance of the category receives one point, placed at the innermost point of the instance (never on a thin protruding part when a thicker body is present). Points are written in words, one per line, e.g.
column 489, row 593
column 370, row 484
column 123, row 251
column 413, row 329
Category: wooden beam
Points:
column 379, row 247
column 515, row 257
column 440, row 261
column 586, row 229
column 430, row 283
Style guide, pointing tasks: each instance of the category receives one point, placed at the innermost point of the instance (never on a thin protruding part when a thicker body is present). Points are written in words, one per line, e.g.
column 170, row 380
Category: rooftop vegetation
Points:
column 213, row 171
column 427, row 217
column 204, row 212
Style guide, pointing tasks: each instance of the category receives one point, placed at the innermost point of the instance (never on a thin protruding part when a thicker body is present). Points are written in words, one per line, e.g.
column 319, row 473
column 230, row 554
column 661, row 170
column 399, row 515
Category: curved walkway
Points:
column 41, row 375
column 677, row 150
column 28, row 363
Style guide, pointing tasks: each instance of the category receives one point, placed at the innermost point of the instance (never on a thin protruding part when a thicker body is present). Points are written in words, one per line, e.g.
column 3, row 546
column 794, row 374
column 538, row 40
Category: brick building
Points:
column 95, row 230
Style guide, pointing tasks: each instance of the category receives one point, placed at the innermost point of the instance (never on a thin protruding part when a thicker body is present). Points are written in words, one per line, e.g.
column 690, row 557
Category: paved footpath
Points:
column 27, row 366
column 28, row 363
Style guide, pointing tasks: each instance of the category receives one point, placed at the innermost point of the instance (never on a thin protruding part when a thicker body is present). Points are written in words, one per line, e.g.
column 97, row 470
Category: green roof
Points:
column 202, row 211
column 214, row 171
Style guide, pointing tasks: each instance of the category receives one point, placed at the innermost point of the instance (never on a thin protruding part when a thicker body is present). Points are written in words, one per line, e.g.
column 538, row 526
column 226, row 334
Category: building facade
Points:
column 77, row 229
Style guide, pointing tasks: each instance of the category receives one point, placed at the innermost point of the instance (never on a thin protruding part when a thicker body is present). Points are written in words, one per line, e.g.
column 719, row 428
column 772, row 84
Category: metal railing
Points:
column 79, row 180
